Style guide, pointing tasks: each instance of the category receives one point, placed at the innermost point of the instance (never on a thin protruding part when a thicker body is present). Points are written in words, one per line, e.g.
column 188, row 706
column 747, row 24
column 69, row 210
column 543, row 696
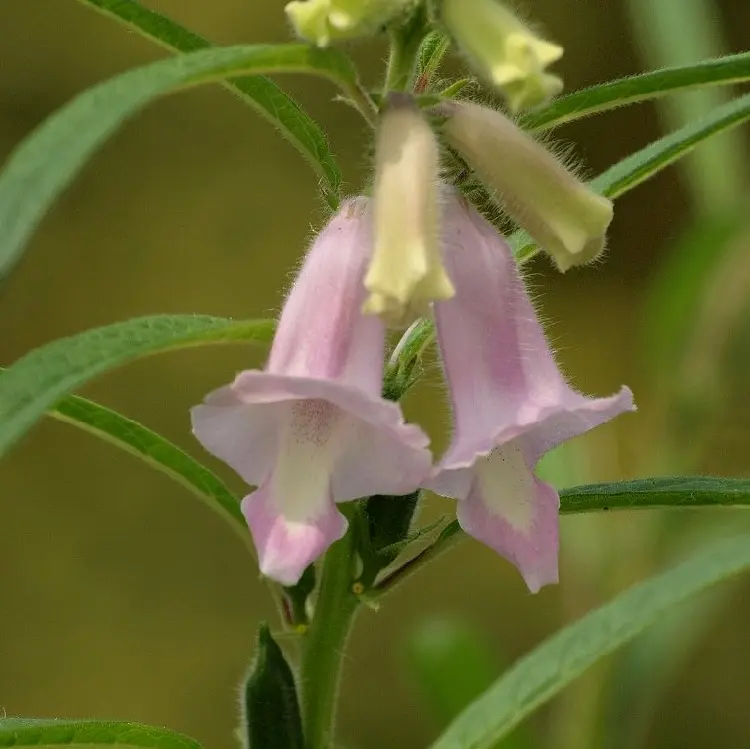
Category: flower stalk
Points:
column 325, row 642
column 405, row 43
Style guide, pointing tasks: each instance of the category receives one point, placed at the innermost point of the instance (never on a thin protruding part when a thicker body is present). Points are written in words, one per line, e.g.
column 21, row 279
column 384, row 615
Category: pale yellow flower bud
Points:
column 406, row 272
column 561, row 213
column 323, row 21
column 505, row 49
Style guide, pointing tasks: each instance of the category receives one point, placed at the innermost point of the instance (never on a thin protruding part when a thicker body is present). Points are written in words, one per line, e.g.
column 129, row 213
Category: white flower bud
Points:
column 406, row 272
column 564, row 216
column 323, row 21
column 504, row 49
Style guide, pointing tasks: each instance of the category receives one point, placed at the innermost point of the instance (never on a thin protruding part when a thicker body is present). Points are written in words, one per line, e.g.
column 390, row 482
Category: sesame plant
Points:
column 427, row 255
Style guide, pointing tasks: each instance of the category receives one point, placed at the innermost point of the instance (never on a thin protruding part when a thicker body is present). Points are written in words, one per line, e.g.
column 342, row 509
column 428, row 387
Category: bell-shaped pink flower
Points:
column 511, row 404
column 311, row 429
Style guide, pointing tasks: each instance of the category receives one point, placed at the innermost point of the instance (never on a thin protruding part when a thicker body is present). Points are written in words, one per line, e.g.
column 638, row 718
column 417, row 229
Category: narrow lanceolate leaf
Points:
column 638, row 167
column 43, row 165
column 19, row 732
column 656, row 493
column 41, row 378
column 557, row 662
column 268, row 100
column 644, row 164
column 637, row 88
column 664, row 492
column 155, row 450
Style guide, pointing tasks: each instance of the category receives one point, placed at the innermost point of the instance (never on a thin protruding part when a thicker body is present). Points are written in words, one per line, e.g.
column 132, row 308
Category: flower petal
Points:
column 322, row 332
column 510, row 401
column 244, row 435
column 312, row 428
column 384, row 455
column 575, row 414
column 288, row 542
column 503, row 378
column 514, row 513
column 379, row 453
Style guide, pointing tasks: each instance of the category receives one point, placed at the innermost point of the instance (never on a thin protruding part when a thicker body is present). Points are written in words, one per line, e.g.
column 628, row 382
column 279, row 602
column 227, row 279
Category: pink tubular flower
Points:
column 511, row 403
column 312, row 429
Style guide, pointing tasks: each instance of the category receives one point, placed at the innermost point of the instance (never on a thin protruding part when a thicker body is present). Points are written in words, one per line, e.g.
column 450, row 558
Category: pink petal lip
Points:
column 535, row 552
column 255, row 388
column 464, row 455
column 285, row 549
column 247, row 424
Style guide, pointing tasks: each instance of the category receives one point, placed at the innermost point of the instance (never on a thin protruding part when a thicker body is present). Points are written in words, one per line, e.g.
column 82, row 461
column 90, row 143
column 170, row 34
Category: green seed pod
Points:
column 270, row 715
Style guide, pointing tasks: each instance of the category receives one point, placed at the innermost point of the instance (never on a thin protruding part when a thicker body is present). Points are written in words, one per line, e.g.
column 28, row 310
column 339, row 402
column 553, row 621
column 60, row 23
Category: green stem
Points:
column 363, row 103
column 402, row 58
column 325, row 642
column 398, row 72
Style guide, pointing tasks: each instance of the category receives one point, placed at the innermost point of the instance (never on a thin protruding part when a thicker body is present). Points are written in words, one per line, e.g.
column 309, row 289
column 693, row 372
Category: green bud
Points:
column 564, row 216
column 271, row 716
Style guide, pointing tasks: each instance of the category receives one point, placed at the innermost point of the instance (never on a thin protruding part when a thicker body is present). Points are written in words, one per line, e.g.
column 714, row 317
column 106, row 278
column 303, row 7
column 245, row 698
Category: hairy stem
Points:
column 363, row 103
column 325, row 642
column 404, row 51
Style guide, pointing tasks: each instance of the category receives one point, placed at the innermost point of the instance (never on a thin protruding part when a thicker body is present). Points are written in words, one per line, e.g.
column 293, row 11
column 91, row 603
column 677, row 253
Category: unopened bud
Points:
column 564, row 216
column 323, row 21
column 505, row 49
column 406, row 272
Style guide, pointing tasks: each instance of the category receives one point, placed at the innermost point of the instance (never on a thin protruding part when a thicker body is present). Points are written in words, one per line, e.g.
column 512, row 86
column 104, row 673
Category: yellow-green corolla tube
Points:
column 566, row 218
column 503, row 48
column 406, row 272
column 324, row 21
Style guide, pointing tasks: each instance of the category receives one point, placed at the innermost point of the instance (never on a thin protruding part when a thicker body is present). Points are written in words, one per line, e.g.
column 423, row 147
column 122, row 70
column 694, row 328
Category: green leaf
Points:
column 43, row 165
column 638, row 88
column 431, row 54
column 17, row 732
column 266, row 98
column 664, row 492
column 155, row 450
column 650, row 666
column 638, row 167
column 553, row 665
column 644, row 164
column 41, row 378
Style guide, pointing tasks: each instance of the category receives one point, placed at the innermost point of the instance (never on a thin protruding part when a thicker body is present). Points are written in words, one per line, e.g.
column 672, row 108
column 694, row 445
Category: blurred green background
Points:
column 122, row 597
